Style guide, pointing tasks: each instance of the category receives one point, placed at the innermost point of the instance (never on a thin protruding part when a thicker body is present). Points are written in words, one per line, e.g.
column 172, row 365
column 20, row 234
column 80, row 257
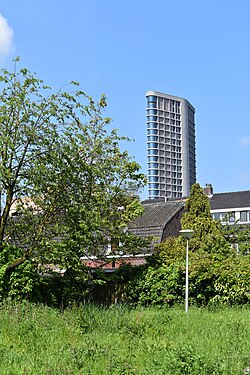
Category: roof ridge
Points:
column 232, row 192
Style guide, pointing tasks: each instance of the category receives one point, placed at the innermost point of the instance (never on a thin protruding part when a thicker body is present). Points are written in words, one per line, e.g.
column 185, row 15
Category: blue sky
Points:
column 199, row 50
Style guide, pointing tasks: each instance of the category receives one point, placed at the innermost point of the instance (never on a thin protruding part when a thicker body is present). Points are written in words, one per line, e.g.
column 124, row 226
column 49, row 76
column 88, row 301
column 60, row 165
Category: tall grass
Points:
column 119, row 340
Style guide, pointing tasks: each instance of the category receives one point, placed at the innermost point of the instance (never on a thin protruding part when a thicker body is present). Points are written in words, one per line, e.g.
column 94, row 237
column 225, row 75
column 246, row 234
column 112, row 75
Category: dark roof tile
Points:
column 154, row 218
column 234, row 199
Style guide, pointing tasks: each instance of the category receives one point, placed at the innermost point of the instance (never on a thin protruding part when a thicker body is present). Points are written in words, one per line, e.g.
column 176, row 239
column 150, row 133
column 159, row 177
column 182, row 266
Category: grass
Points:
column 118, row 340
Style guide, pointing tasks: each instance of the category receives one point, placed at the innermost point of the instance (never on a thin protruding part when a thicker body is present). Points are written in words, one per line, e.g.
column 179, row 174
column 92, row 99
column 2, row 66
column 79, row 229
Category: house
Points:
column 229, row 207
column 160, row 219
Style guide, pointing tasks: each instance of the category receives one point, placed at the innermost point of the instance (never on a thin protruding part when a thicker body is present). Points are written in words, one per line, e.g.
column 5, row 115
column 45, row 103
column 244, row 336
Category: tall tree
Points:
column 216, row 273
column 66, row 187
column 208, row 234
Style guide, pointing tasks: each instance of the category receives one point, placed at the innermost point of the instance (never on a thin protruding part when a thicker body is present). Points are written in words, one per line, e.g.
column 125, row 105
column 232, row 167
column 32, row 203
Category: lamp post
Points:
column 186, row 233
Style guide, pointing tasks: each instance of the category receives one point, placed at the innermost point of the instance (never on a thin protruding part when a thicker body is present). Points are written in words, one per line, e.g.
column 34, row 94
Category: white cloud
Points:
column 6, row 36
column 245, row 141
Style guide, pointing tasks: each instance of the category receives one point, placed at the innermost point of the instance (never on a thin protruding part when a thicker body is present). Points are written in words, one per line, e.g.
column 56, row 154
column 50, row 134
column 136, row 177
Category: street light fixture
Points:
column 186, row 233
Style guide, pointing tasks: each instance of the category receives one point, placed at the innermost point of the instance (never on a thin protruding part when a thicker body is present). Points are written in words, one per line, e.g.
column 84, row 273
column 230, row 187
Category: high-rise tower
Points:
column 171, row 146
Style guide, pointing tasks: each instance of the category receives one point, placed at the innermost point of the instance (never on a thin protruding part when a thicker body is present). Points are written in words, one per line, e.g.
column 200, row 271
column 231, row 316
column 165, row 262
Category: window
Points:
column 153, row 186
column 153, row 193
column 153, row 179
column 153, row 172
column 152, row 101
column 152, row 152
column 152, row 105
column 152, row 158
column 152, row 118
column 153, row 165
column 152, row 98
column 153, row 145
column 160, row 103
column 152, row 131
column 244, row 216
column 152, row 125
column 226, row 216
column 152, row 138
column 166, row 104
column 152, row 112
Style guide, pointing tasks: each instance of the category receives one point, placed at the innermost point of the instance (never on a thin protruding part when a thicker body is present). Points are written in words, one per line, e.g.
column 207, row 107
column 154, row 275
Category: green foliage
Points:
column 121, row 340
column 66, row 188
column 216, row 274
column 157, row 286
column 197, row 206
column 238, row 235
column 22, row 281
column 232, row 284
column 208, row 236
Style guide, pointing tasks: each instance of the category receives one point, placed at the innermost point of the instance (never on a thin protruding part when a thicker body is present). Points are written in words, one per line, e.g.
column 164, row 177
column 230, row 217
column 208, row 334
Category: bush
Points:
column 211, row 281
column 157, row 286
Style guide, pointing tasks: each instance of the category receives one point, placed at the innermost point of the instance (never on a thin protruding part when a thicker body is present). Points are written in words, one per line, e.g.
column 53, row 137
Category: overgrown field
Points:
column 119, row 340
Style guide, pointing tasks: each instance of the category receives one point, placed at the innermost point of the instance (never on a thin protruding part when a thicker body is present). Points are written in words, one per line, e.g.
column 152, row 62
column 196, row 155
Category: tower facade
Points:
column 170, row 145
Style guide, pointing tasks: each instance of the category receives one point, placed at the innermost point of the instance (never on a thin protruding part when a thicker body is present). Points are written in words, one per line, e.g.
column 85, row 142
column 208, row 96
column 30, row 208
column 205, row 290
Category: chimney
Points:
column 208, row 190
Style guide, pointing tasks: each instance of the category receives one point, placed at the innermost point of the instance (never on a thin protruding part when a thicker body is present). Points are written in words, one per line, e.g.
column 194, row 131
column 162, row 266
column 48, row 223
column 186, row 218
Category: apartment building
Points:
column 170, row 146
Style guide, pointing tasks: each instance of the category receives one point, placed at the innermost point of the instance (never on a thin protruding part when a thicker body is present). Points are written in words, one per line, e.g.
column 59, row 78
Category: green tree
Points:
column 216, row 273
column 238, row 235
column 208, row 236
column 66, row 188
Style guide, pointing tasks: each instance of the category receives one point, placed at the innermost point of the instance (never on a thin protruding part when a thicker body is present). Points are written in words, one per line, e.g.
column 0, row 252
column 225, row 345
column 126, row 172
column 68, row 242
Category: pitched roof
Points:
column 154, row 218
column 234, row 199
